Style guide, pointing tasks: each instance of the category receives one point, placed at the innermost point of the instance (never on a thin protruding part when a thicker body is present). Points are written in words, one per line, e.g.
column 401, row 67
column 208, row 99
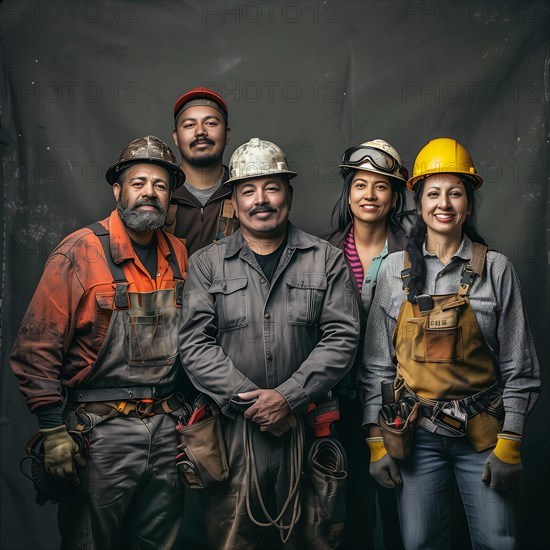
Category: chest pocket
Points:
column 230, row 302
column 103, row 314
column 437, row 338
column 305, row 296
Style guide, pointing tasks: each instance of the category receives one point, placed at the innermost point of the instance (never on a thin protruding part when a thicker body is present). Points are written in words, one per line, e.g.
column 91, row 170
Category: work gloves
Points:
column 61, row 452
column 503, row 467
column 382, row 466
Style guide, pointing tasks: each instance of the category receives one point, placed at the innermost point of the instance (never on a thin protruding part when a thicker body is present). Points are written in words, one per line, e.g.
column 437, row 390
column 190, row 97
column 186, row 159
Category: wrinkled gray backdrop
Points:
column 79, row 80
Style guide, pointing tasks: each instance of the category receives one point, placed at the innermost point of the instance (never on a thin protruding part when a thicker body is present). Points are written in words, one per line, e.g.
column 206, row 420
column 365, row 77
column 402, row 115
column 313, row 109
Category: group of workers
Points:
column 400, row 322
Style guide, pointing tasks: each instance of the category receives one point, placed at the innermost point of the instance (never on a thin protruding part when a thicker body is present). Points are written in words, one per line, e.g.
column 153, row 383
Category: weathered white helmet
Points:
column 376, row 156
column 257, row 158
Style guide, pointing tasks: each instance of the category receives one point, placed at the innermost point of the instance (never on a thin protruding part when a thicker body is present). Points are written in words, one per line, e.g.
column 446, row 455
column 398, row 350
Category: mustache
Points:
column 261, row 208
column 202, row 140
column 153, row 201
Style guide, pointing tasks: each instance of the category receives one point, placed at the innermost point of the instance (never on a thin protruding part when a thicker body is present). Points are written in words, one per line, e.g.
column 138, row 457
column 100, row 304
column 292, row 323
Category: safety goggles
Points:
column 355, row 156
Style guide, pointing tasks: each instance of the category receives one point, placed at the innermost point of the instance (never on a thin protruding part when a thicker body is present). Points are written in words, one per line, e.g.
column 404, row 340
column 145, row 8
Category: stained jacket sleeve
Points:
column 46, row 332
column 339, row 328
column 205, row 362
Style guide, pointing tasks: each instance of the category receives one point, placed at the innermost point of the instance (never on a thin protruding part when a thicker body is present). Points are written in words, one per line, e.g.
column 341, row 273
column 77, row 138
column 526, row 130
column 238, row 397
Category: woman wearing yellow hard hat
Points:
column 449, row 331
column 368, row 225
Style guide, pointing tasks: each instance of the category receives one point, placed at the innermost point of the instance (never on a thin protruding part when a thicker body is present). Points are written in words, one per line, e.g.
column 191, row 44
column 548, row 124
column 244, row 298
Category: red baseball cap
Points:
column 200, row 96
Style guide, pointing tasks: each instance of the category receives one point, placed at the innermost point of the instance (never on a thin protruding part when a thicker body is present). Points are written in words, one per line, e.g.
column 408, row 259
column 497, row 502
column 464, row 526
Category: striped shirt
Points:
column 352, row 256
column 365, row 282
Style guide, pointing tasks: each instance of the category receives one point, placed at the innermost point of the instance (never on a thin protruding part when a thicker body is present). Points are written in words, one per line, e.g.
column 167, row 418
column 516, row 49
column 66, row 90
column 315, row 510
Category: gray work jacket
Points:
column 297, row 335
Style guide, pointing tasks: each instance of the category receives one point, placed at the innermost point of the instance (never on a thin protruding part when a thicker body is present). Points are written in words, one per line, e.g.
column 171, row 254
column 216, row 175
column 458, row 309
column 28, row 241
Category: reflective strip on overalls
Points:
column 141, row 344
column 441, row 352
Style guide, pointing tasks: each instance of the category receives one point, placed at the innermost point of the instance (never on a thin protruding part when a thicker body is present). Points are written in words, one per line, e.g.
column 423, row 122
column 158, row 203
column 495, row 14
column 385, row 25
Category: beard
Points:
column 139, row 221
column 203, row 161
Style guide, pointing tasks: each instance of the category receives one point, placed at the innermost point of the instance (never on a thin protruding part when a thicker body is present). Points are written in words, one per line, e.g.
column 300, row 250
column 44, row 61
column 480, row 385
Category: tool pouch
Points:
column 323, row 496
column 398, row 441
column 483, row 427
column 202, row 459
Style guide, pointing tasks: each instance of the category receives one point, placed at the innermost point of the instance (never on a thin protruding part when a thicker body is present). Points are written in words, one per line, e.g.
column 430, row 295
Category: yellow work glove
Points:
column 502, row 468
column 61, row 452
column 382, row 466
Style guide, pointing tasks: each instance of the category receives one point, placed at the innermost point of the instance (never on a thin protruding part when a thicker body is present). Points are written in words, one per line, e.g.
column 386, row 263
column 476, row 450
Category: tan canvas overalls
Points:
column 444, row 360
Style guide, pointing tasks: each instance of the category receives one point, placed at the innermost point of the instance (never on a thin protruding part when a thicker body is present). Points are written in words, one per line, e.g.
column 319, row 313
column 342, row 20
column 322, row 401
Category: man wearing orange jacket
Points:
column 96, row 353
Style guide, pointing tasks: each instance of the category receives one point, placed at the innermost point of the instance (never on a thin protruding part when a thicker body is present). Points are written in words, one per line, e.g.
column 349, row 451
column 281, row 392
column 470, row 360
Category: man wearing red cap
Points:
column 201, row 211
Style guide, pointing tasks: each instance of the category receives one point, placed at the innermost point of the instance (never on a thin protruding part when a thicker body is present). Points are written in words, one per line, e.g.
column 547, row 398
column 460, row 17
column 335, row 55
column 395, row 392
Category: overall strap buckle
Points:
column 121, row 296
column 466, row 280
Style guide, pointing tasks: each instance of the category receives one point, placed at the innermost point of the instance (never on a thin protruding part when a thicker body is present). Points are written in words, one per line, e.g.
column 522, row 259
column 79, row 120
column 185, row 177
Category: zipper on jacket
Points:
column 202, row 213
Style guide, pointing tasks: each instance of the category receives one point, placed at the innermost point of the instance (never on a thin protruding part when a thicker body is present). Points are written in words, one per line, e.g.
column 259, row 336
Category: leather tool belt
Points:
column 450, row 418
column 139, row 408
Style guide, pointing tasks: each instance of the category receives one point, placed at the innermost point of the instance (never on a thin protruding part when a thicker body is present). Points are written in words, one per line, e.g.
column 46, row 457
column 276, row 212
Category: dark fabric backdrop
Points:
column 79, row 80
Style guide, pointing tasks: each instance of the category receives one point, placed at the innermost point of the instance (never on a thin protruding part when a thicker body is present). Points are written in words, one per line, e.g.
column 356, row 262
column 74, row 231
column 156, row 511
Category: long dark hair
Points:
column 341, row 213
column 419, row 230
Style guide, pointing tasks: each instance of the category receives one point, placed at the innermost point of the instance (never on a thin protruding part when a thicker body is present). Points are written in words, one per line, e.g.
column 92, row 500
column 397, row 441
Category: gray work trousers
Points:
column 129, row 494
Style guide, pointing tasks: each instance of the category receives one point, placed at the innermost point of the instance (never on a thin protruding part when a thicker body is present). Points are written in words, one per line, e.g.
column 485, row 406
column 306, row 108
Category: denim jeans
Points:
column 425, row 496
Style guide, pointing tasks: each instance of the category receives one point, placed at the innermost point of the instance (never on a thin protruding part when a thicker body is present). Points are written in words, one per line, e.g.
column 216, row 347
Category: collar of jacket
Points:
column 296, row 239
column 184, row 196
column 396, row 239
column 121, row 245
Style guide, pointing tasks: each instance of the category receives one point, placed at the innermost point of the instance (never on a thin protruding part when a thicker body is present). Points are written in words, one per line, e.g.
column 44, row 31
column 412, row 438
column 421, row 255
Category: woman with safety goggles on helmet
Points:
column 449, row 331
column 368, row 220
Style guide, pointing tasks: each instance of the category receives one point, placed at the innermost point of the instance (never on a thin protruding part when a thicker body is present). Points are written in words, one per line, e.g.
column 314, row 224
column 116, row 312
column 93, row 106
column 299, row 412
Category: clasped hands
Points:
column 270, row 410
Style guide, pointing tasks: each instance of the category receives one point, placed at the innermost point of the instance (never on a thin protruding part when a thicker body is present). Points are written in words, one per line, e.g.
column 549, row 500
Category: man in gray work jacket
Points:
column 270, row 318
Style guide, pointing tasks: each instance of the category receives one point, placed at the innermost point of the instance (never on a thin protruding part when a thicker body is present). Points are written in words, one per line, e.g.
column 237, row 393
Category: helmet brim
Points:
column 476, row 179
column 400, row 179
column 177, row 177
column 289, row 173
column 201, row 93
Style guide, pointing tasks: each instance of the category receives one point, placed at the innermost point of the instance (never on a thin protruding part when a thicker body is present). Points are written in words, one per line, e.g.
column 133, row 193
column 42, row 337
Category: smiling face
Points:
column 371, row 197
column 444, row 206
column 201, row 136
column 262, row 205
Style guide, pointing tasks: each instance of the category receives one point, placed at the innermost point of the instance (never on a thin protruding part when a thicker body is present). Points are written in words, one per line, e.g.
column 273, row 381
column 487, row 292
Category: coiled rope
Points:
column 293, row 499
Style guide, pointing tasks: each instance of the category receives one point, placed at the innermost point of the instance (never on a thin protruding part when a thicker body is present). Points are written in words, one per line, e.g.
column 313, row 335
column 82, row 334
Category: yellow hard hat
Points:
column 444, row 155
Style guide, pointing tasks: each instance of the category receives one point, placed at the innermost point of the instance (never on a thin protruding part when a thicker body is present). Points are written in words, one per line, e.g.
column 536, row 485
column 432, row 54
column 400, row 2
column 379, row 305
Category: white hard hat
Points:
column 376, row 156
column 257, row 158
